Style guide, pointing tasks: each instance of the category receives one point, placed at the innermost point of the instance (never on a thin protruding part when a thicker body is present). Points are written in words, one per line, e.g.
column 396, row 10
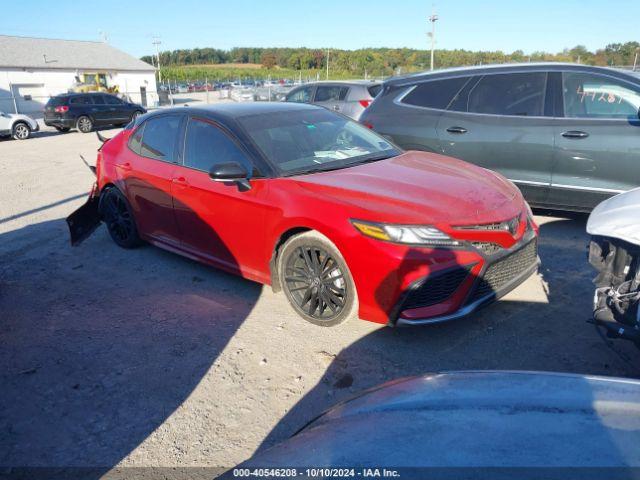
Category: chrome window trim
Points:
column 589, row 189
column 567, row 187
column 530, row 182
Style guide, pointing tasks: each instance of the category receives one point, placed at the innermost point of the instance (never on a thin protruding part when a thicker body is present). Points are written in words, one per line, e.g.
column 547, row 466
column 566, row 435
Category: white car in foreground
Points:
column 614, row 251
column 17, row 125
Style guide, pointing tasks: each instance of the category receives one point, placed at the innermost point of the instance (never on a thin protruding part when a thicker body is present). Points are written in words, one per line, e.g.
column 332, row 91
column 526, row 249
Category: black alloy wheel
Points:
column 315, row 283
column 117, row 215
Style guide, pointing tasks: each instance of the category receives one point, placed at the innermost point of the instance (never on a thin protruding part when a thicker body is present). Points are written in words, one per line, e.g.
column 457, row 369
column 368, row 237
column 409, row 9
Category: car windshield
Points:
column 307, row 141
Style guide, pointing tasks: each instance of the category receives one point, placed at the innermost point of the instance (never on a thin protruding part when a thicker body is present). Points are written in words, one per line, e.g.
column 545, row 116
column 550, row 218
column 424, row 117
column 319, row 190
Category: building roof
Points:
column 29, row 52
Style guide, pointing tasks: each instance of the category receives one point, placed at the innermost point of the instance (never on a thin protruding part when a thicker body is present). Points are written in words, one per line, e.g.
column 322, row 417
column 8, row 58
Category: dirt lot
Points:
column 145, row 358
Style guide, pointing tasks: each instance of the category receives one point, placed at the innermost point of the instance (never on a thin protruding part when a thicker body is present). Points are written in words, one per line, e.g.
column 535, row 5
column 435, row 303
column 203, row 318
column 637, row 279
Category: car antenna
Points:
column 90, row 167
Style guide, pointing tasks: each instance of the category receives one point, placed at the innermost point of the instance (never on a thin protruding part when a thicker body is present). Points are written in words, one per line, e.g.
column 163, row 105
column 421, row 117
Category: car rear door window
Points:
column 111, row 100
column 331, row 93
column 300, row 96
column 159, row 137
column 436, row 93
column 80, row 100
column 587, row 95
column 135, row 142
column 520, row 94
column 207, row 145
column 98, row 99
column 375, row 90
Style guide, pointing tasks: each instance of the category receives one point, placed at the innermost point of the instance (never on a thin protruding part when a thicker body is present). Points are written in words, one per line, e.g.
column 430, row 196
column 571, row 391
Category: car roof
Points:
column 73, row 94
column 505, row 68
column 228, row 113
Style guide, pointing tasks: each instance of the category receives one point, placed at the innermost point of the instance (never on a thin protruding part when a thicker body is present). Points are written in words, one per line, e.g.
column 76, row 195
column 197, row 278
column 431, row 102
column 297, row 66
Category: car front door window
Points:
column 207, row 145
column 586, row 95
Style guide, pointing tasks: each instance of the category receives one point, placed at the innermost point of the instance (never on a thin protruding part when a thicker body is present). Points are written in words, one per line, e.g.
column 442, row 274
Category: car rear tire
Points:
column 84, row 124
column 118, row 216
column 21, row 131
column 316, row 280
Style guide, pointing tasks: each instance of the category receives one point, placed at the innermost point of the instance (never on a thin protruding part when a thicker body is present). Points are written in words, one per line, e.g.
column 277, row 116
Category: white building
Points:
column 34, row 69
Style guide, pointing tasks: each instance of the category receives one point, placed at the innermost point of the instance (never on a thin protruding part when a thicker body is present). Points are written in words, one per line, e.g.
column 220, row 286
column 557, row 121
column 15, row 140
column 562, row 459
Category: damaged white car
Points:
column 614, row 251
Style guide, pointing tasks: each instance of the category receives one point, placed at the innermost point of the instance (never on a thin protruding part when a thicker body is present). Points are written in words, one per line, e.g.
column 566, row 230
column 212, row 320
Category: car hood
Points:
column 617, row 217
column 419, row 187
column 474, row 419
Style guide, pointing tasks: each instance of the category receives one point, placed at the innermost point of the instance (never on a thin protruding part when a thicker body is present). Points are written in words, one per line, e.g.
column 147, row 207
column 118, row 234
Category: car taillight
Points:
column 62, row 109
column 364, row 103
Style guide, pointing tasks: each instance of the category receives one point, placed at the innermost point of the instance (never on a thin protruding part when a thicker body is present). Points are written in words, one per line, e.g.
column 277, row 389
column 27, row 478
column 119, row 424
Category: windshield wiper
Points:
column 375, row 158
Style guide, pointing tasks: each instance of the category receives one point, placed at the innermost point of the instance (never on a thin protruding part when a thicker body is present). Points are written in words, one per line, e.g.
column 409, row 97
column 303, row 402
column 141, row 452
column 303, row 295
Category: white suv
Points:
column 17, row 125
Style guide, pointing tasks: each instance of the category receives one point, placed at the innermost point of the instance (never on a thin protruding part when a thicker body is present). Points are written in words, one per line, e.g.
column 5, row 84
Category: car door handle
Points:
column 179, row 181
column 575, row 134
column 456, row 130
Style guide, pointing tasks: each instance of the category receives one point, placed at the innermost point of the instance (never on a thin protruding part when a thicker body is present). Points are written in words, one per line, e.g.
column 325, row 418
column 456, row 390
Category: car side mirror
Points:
column 231, row 172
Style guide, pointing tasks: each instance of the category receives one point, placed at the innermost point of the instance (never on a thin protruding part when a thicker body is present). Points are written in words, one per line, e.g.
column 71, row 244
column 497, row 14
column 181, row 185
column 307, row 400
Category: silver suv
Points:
column 349, row 98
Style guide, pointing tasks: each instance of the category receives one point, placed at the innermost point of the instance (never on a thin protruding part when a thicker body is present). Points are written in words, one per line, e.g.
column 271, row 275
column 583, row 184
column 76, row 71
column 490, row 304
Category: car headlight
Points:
column 405, row 234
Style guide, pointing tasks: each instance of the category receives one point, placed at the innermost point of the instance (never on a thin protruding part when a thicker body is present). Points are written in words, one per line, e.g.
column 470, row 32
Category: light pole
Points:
column 156, row 42
column 327, row 64
column 432, row 33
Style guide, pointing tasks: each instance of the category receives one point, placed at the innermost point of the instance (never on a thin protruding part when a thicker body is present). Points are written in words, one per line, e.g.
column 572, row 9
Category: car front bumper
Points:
column 476, row 304
column 405, row 285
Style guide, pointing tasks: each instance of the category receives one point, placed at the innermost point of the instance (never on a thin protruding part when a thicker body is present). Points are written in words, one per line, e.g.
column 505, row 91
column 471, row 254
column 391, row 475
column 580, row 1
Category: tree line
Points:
column 387, row 61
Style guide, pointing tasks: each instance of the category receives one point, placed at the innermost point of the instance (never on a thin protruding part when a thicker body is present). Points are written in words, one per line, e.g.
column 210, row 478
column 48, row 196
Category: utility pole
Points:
column 635, row 61
column 156, row 42
column 327, row 64
column 433, row 18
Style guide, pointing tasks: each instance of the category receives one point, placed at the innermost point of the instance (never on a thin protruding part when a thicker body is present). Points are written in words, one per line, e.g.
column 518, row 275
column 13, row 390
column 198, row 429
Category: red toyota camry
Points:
column 315, row 205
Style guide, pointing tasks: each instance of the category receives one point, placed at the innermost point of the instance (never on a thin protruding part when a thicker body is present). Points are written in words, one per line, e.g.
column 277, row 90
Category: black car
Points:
column 86, row 110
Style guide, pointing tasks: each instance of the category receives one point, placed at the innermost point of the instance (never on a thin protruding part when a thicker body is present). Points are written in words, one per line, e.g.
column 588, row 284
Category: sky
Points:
column 548, row 25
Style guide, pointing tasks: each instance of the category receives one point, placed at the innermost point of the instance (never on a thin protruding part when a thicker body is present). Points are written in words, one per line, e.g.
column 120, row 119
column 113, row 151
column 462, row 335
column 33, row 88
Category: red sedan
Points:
column 314, row 204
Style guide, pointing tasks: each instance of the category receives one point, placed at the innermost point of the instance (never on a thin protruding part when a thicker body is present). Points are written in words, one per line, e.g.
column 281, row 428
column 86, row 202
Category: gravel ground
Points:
column 143, row 358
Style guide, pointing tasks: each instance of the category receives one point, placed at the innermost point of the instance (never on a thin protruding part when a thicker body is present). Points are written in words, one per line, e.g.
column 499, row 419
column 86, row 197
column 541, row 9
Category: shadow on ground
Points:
column 101, row 345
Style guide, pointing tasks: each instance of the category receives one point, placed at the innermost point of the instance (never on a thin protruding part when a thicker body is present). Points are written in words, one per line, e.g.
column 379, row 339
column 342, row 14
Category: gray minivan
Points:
column 568, row 135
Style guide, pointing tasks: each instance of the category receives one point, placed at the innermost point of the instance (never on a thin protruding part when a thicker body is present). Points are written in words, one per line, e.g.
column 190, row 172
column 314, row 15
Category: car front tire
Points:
column 316, row 280
column 21, row 131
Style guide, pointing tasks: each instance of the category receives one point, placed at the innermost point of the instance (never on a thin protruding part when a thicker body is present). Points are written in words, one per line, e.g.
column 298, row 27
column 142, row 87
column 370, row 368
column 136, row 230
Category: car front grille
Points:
column 510, row 226
column 435, row 289
column 500, row 273
column 488, row 248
